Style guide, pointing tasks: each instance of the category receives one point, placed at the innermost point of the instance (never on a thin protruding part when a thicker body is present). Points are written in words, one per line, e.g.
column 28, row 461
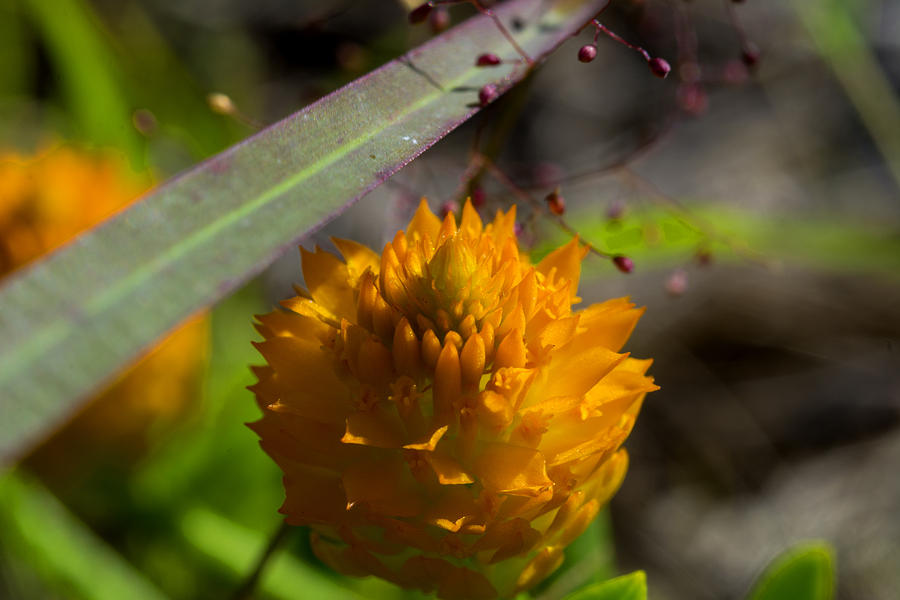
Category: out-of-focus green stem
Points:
column 89, row 73
column 842, row 45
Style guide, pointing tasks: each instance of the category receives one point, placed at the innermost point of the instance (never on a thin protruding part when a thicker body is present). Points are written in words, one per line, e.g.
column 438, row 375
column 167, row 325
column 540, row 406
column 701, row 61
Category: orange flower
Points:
column 45, row 201
column 443, row 419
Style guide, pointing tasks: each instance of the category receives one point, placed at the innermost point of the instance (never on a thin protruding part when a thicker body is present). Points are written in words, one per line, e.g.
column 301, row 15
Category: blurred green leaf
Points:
column 69, row 321
column 90, row 76
column 660, row 237
column 68, row 556
column 16, row 63
column 238, row 549
column 627, row 587
column 805, row 572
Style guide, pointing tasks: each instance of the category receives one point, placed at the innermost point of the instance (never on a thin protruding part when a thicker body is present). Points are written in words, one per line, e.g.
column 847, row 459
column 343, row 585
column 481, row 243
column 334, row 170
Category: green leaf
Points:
column 71, row 321
column 238, row 548
column 627, row 587
column 38, row 529
column 89, row 73
column 805, row 572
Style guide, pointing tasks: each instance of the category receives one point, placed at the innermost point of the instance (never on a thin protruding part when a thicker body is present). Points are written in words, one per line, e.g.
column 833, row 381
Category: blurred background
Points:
column 756, row 189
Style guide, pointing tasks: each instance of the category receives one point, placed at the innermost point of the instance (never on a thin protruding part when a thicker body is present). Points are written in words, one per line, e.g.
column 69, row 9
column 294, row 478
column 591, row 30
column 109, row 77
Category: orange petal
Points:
column 424, row 223
column 359, row 258
column 610, row 323
column 548, row 560
column 432, row 442
column 448, row 470
column 509, row 469
column 470, row 224
column 326, row 279
column 385, row 486
column 565, row 264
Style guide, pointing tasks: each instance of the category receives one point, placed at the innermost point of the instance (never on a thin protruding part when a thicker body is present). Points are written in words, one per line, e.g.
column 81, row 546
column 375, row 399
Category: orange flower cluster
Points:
column 45, row 201
column 444, row 420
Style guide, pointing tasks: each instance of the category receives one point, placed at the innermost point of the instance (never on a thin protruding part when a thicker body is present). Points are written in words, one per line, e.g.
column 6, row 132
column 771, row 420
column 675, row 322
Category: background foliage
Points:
column 778, row 415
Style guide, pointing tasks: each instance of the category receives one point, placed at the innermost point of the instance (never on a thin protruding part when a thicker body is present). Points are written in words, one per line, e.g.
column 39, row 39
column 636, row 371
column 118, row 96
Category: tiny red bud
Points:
column 750, row 54
column 449, row 207
column 439, row 20
column 518, row 229
column 488, row 94
column 556, row 203
column 677, row 283
column 478, row 197
column 659, row 67
column 623, row 263
column 419, row 14
column 587, row 53
column 615, row 210
column 692, row 98
column 734, row 73
column 704, row 258
column 488, row 60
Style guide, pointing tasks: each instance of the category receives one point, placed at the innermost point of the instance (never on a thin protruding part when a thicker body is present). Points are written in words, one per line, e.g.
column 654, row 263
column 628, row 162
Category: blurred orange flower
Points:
column 444, row 420
column 45, row 201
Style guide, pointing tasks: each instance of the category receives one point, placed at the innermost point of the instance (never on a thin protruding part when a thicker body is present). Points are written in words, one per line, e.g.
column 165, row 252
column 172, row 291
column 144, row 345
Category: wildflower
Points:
column 444, row 420
column 45, row 201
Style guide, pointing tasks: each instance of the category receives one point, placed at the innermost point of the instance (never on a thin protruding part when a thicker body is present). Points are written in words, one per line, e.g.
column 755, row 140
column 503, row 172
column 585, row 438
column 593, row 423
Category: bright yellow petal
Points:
column 509, row 469
column 326, row 279
column 359, row 258
column 424, row 224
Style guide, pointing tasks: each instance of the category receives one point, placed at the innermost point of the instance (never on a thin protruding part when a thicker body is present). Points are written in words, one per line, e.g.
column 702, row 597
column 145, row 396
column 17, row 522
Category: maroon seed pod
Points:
column 488, row 94
column 420, row 13
column 703, row 257
column 478, row 197
column 659, row 67
column 677, row 283
column 587, row 53
column 439, row 20
column 692, row 98
column 488, row 60
column 750, row 54
column 623, row 263
column 518, row 229
column 615, row 210
column 556, row 203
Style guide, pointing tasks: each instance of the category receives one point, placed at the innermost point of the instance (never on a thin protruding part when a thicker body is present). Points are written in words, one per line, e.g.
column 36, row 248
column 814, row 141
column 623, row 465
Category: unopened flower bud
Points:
column 488, row 94
column 478, row 197
column 439, row 19
column 659, row 67
column 692, row 98
column 587, row 53
column 704, row 257
column 750, row 54
column 220, row 103
column 555, row 202
column 615, row 210
column 488, row 59
column 623, row 263
column 418, row 15
column 677, row 283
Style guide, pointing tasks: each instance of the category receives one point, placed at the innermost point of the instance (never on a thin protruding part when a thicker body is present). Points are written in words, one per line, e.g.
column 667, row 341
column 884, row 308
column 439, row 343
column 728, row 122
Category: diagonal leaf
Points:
column 626, row 587
column 69, row 322
column 38, row 529
column 804, row 572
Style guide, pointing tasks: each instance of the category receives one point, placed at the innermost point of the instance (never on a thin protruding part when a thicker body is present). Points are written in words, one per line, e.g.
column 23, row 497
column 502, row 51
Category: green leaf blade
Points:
column 805, row 572
column 70, row 321
column 626, row 587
